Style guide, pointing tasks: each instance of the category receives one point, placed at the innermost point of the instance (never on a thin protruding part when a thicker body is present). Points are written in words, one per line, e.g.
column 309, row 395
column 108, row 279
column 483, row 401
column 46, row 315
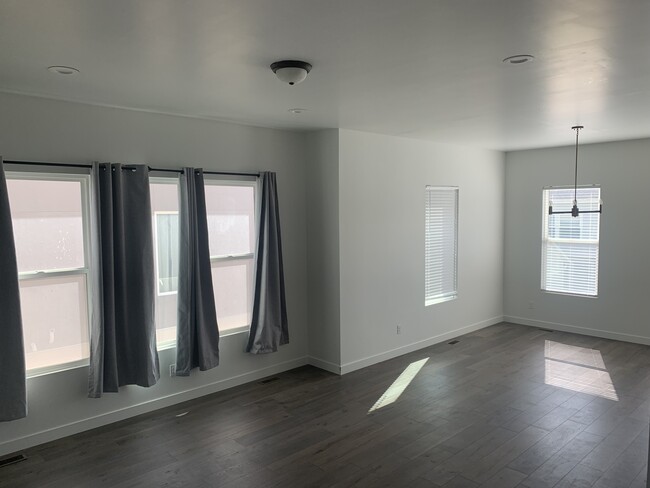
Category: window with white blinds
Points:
column 570, row 244
column 440, row 244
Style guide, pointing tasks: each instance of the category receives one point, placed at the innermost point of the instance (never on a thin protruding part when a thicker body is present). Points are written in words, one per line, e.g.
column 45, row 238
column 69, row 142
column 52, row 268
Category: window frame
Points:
column 444, row 297
column 563, row 240
column 238, row 180
column 82, row 175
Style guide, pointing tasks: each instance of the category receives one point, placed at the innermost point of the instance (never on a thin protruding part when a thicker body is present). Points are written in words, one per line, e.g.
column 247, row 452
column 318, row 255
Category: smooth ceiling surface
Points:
column 428, row 69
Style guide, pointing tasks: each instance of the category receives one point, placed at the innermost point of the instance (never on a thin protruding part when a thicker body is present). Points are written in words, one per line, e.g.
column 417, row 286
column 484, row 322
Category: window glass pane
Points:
column 55, row 320
column 231, row 219
column 232, row 281
column 48, row 224
column 167, row 252
column 164, row 205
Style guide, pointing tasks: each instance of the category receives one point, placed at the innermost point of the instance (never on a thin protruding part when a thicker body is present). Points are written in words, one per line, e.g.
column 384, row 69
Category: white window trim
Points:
column 452, row 295
column 546, row 239
column 27, row 173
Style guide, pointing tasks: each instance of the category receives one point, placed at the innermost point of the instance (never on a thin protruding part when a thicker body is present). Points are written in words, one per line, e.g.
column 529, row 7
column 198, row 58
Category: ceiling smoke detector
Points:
column 519, row 59
column 291, row 71
column 63, row 70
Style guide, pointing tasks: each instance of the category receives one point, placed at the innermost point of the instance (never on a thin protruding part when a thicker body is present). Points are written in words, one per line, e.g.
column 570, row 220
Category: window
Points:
column 164, row 208
column 570, row 244
column 49, row 214
column 233, row 236
column 441, row 244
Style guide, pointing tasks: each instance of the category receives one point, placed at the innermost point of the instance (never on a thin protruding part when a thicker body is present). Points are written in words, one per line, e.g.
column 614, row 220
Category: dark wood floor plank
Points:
column 482, row 412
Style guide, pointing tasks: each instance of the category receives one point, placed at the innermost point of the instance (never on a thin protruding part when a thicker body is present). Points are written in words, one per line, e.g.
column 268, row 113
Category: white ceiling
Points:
column 427, row 69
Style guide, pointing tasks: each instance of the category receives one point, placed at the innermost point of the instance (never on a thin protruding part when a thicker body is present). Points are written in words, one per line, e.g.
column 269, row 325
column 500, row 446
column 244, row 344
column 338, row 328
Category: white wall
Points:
column 623, row 171
column 323, row 245
column 47, row 130
column 382, row 198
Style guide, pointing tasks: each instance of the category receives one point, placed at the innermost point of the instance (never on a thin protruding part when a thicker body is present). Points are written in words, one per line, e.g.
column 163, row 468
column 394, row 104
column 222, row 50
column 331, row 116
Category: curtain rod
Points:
column 164, row 170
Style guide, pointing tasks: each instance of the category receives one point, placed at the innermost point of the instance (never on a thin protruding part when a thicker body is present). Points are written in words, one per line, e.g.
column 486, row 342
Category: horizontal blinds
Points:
column 441, row 242
column 571, row 244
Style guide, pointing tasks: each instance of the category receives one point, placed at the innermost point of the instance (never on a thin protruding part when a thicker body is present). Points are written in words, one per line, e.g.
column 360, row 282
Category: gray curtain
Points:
column 13, row 396
column 197, row 340
column 269, row 322
column 123, row 331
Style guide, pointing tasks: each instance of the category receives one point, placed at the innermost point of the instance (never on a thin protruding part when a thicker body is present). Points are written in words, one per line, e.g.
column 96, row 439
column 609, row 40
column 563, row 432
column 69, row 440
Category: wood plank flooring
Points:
column 507, row 406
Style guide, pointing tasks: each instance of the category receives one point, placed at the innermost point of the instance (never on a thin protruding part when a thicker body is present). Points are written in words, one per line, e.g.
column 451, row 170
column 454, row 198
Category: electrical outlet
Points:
column 399, row 329
column 531, row 305
column 172, row 370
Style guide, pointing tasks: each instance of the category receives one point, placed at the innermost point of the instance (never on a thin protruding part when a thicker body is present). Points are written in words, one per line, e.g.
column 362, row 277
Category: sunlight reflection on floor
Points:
column 578, row 369
column 399, row 385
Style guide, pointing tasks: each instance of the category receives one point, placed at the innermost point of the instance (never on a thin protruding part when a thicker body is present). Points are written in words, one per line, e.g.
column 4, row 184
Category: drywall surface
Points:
column 382, row 206
column 323, row 249
column 46, row 130
column 620, row 311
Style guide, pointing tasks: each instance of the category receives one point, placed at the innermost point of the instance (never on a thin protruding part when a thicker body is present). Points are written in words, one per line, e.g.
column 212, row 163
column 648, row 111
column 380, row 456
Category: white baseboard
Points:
column 605, row 334
column 399, row 351
column 17, row 444
column 325, row 365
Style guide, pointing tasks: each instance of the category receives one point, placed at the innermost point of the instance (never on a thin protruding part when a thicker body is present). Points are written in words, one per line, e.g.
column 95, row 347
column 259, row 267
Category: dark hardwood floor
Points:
column 507, row 406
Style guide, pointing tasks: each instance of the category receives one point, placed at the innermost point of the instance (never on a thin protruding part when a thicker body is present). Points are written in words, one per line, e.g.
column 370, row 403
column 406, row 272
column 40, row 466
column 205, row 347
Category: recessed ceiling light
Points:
column 519, row 59
column 297, row 110
column 63, row 70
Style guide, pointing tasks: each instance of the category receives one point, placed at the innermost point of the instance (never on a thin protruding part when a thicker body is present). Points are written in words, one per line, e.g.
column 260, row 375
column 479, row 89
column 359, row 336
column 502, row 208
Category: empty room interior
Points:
column 301, row 243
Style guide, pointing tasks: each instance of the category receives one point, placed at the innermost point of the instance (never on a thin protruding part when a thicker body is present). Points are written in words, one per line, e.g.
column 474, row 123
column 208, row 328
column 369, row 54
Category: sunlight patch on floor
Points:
column 399, row 385
column 578, row 369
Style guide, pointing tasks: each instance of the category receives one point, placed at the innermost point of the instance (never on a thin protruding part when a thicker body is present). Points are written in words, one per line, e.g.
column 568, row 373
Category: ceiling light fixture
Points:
column 297, row 110
column 519, row 59
column 575, row 212
column 63, row 70
column 291, row 71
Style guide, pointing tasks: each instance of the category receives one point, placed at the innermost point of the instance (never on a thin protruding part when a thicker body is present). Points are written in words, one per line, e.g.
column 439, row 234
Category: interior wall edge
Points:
column 58, row 432
column 415, row 346
column 324, row 365
column 575, row 329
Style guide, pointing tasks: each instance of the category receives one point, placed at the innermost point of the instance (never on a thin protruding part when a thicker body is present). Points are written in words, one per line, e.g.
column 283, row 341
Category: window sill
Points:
column 162, row 346
column 235, row 331
column 59, row 368
column 564, row 294
column 434, row 301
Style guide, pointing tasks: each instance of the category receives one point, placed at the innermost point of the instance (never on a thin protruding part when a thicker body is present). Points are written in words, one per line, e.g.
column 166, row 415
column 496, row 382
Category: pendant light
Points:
column 575, row 211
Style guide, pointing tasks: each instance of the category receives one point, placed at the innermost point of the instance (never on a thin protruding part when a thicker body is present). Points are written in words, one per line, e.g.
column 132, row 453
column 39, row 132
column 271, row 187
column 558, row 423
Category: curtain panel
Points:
column 197, row 341
column 123, row 331
column 13, row 396
column 269, row 325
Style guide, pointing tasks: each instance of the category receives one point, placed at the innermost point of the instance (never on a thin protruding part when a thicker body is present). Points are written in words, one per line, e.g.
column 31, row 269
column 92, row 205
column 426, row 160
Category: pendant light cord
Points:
column 575, row 185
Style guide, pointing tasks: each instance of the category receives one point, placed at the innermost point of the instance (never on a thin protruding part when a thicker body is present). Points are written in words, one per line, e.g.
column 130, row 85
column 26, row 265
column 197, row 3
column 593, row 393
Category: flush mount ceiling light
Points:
column 291, row 71
column 519, row 59
column 575, row 212
column 63, row 70
column 297, row 110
